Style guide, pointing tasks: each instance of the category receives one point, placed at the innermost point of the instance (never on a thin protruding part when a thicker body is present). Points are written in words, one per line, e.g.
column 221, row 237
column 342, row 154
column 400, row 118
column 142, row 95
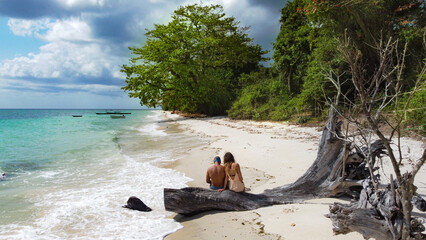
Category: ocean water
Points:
column 67, row 178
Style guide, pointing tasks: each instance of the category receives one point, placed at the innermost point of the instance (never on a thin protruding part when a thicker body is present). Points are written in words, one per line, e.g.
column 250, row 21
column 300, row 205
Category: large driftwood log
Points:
column 347, row 219
column 325, row 178
column 189, row 201
column 376, row 215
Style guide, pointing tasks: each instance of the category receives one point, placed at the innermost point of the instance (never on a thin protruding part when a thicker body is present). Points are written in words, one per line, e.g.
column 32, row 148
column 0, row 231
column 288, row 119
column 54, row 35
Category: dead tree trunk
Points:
column 376, row 215
column 323, row 179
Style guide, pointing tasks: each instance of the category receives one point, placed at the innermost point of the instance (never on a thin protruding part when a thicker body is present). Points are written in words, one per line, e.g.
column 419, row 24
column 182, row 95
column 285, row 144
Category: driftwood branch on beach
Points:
column 190, row 201
column 375, row 215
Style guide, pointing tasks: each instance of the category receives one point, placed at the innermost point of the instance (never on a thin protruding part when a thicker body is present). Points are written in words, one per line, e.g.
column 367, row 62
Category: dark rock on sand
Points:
column 137, row 204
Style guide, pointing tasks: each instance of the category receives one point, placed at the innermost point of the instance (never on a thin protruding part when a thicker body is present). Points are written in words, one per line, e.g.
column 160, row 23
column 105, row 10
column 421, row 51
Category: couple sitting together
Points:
column 222, row 177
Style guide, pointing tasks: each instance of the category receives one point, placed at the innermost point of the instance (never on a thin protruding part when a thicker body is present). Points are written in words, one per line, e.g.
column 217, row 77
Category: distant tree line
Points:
column 204, row 62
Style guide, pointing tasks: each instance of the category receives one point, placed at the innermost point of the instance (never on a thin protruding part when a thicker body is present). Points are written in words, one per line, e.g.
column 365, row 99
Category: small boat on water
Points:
column 77, row 115
column 117, row 116
column 111, row 112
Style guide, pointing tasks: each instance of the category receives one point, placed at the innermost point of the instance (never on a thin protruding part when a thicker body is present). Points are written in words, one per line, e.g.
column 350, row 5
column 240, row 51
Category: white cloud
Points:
column 21, row 27
column 8, row 85
column 116, row 73
column 252, row 15
column 71, row 52
column 70, row 30
column 72, row 49
column 62, row 60
column 81, row 3
column 93, row 88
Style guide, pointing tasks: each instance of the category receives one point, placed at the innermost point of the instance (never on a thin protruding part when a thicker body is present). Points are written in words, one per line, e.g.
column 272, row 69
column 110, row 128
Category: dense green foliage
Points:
column 193, row 63
column 261, row 97
column 202, row 62
column 293, row 46
column 308, row 50
column 416, row 114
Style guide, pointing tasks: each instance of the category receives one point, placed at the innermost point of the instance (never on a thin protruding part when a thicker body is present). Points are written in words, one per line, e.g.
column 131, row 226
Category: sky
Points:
column 68, row 53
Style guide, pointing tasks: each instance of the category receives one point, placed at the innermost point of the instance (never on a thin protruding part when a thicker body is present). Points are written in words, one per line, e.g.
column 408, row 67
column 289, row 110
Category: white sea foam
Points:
column 155, row 116
column 49, row 174
column 152, row 127
column 80, row 195
column 87, row 203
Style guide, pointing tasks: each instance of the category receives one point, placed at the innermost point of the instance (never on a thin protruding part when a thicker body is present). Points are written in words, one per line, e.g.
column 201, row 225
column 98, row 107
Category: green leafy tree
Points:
column 293, row 45
column 192, row 63
column 365, row 22
column 325, row 58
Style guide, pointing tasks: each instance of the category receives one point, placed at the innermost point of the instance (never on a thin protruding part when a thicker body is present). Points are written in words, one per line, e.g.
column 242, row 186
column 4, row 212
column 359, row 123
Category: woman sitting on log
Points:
column 233, row 174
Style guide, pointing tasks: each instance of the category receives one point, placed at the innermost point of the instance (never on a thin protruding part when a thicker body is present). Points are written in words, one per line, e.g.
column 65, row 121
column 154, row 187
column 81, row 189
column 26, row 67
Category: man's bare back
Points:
column 216, row 176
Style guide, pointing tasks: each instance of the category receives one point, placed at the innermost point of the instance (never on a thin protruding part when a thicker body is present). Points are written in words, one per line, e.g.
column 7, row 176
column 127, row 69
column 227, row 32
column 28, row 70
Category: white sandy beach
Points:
column 271, row 155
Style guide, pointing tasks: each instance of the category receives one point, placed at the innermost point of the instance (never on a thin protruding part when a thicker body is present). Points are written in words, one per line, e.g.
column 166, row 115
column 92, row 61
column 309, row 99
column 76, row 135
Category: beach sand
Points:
column 271, row 154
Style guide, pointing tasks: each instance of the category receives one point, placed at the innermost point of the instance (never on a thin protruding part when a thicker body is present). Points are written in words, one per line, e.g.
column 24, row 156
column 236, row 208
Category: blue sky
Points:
column 68, row 53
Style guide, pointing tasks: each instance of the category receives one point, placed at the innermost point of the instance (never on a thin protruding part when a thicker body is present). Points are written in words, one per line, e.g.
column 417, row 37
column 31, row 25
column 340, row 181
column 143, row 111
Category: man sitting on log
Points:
column 216, row 175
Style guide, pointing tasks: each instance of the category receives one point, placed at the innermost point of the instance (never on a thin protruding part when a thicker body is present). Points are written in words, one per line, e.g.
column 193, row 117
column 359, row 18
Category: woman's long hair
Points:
column 228, row 159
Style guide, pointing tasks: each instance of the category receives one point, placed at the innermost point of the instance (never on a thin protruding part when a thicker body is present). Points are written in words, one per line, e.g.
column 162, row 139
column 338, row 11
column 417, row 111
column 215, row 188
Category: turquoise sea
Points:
column 67, row 177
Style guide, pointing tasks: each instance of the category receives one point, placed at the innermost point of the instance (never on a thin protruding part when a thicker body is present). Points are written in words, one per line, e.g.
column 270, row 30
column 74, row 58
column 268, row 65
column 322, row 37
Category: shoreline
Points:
column 271, row 154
